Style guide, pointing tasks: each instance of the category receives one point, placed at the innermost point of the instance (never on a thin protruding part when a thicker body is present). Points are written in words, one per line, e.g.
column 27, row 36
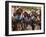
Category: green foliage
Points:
column 30, row 8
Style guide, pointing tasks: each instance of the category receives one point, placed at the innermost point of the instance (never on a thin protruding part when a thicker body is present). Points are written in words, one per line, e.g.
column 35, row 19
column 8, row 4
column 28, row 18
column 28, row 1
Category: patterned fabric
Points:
column 18, row 17
column 33, row 18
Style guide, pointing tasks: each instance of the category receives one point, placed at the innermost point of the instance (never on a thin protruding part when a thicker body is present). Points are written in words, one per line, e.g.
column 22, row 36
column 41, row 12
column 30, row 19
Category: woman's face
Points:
column 20, row 10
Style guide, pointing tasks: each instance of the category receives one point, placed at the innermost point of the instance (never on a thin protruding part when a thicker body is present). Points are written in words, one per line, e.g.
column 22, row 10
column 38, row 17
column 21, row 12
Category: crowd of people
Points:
column 23, row 21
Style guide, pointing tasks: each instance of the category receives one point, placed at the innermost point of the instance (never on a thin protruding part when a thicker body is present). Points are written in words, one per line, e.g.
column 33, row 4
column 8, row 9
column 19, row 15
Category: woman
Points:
column 33, row 18
column 18, row 16
column 17, row 19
